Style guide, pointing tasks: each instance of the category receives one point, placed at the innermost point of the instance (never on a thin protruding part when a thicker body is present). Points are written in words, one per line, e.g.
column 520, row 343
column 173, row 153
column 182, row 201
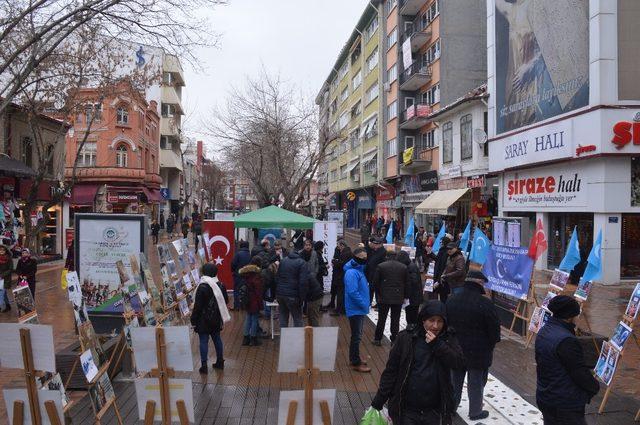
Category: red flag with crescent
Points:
column 221, row 248
column 538, row 243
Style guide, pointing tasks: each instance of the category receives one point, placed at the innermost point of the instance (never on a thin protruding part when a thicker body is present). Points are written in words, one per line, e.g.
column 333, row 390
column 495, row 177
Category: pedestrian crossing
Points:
column 505, row 406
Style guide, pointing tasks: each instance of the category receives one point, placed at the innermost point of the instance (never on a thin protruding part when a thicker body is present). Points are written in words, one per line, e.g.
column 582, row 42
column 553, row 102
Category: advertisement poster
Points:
column 221, row 248
column 101, row 241
column 545, row 187
column 542, row 70
column 327, row 232
column 634, row 302
column 508, row 270
column 338, row 217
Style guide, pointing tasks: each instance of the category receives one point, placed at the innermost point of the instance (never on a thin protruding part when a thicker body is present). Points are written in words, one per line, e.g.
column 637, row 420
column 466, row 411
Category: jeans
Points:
column 553, row 416
column 412, row 417
column 356, row 323
column 5, row 297
column 456, row 290
column 155, row 239
column 251, row 324
column 290, row 306
column 204, row 347
column 476, row 380
column 313, row 312
column 383, row 311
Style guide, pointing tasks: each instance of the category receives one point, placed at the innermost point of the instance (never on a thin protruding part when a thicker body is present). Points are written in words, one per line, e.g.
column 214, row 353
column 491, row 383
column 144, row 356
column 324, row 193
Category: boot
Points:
column 203, row 369
column 219, row 364
column 255, row 342
column 246, row 340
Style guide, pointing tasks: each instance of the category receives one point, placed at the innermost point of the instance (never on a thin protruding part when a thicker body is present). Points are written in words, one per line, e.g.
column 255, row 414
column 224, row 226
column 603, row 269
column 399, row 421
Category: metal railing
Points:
column 417, row 68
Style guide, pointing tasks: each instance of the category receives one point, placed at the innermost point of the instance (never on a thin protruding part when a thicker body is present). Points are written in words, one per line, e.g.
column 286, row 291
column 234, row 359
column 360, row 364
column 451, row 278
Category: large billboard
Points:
column 542, row 60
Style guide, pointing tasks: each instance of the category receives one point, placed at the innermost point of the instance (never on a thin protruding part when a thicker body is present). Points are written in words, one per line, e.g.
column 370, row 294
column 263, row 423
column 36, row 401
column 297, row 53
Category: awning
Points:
column 84, row 194
column 439, row 201
column 273, row 217
column 369, row 157
column 153, row 195
column 13, row 167
column 352, row 166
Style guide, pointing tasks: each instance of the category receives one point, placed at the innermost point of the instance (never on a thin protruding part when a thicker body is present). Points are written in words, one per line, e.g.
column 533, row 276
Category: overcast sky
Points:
column 299, row 39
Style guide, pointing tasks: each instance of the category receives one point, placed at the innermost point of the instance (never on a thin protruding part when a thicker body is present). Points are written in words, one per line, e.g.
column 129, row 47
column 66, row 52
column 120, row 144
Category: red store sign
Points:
column 475, row 182
column 625, row 132
column 385, row 194
column 122, row 198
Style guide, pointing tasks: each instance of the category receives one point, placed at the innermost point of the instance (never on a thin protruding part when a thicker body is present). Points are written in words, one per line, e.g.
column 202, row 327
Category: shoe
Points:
column 482, row 415
column 364, row 362
column 7, row 308
column 203, row 369
column 246, row 340
column 362, row 368
column 377, row 342
column 255, row 342
column 218, row 364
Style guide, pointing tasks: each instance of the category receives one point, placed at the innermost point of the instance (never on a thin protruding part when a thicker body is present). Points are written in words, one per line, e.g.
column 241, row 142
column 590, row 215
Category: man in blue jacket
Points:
column 356, row 303
column 292, row 287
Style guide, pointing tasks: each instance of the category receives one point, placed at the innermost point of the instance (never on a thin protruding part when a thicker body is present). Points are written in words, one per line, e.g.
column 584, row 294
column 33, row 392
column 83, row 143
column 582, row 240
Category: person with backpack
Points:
column 251, row 299
column 209, row 315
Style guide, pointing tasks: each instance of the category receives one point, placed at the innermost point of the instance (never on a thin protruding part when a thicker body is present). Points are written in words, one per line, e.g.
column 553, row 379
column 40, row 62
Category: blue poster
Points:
column 270, row 234
column 508, row 270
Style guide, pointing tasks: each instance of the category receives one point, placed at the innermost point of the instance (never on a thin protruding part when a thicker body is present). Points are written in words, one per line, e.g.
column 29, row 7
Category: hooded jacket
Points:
column 447, row 355
column 240, row 259
column 454, row 271
column 204, row 293
column 390, row 281
column 340, row 259
column 356, row 289
column 6, row 269
column 293, row 277
column 253, row 278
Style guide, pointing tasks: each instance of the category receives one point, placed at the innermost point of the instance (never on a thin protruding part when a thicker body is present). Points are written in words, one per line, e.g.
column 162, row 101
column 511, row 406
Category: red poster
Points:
column 221, row 248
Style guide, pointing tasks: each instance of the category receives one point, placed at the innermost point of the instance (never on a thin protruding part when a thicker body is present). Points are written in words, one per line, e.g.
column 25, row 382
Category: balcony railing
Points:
column 416, row 76
column 410, row 7
column 419, row 32
column 419, row 160
column 415, row 116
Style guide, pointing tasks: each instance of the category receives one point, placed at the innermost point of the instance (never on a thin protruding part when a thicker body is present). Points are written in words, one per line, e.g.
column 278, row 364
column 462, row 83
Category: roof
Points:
column 273, row 217
column 478, row 93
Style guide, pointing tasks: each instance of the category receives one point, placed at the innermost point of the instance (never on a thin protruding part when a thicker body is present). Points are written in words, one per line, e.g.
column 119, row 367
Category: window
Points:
column 153, row 164
column 432, row 95
column 344, row 120
column 167, row 110
column 409, row 142
column 167, row 78
column 122, row 115
column 372, row 93
column 369, row 128
column 333, row 176
column 50, row 159
column 389, row 5
column 343, row 171
column 343, row 70
column 372, row 60
column 447, row 142
column 356, row 110
column 357, row 80
column 392, row 148
column 93, row 112
column 392, row 38
column 392, row 74
column 121, row 156
column 486, row 131
column 344, row 94
column 334, row 106
column 165, row 143
column 466, row 146
column 371, row 29
column 432, row 53
column 354, row 139
column 87, row 155
column 392, row 110
column 429, row 139
column 27, row 151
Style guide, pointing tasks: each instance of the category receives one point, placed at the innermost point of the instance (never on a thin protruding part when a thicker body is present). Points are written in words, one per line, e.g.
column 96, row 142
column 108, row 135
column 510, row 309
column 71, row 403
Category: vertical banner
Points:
column 221, row 248
column 406, row 53
column 327, row 232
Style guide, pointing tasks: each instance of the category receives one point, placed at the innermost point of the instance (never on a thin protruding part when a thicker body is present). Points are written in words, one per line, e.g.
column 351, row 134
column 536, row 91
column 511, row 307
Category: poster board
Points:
column 508, row 270
column 20, row 394
column 147, row 389
column 25, row 305
column 41, row 342
column 291, row 359
column 338, row 218
column 327, row 232
column 287, row 397
column 178, row 348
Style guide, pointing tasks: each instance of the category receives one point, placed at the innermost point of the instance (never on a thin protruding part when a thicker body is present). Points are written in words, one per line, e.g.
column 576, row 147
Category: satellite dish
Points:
column 479, row 136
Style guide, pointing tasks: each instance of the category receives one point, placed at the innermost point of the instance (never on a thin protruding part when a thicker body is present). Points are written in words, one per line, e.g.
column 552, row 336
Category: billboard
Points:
column 542, row 60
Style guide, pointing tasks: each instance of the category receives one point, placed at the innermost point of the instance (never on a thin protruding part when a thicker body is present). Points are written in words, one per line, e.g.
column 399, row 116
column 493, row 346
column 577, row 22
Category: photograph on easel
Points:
column 101, row 393
column 610, row 366
column 583, row 290
column 538, row 319
column 89, row 341
column 53, row 382
column 602, row 359
column 559, row 279
column 634, row 303
column 547, row 299
column 127, row 330
column 25, row 305
column 88, row 365
column 620, row 335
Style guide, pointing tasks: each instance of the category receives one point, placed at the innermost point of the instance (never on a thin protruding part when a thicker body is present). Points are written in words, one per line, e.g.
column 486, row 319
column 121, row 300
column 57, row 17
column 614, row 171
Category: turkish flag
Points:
column 221, row 248
column 538, row 243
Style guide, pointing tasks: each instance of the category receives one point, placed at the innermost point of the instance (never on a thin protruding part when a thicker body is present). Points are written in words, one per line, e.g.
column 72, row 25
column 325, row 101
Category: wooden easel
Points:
column 522, row 308
column 110, row 403
column 163, row 372
column 308, row 373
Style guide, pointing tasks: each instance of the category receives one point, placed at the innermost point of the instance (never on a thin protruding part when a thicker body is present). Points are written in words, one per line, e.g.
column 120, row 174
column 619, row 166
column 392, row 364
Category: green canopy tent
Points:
column 273, row 217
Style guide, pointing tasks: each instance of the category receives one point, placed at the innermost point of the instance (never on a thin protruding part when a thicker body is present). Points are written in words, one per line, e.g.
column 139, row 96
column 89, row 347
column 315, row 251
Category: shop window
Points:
column 466, row 146
column 122, row 115
column 560, row 229
column 630, row 252
column 447, row 142
column 121, row 156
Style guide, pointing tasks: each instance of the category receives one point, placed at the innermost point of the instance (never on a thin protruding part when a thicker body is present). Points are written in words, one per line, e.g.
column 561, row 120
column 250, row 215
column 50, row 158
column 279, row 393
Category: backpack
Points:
column 211, row 313
column 243, row 295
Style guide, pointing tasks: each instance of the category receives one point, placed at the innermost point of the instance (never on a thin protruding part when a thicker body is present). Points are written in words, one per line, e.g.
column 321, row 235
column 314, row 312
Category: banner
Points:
column 338, row 217
column 508, row 270
column 271, row 235
column 406, row 53
column 327, row 232
column 221, row 248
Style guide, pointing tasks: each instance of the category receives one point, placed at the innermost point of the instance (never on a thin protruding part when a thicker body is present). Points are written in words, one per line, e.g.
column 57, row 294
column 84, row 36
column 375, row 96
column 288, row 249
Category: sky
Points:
column 298, row 39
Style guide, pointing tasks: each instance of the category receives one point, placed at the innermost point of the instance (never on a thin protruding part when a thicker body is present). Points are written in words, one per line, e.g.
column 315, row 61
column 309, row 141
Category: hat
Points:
column 378, row 240
column 432, row 308
column 564, row 307
column 452, row 245
column 476, row 277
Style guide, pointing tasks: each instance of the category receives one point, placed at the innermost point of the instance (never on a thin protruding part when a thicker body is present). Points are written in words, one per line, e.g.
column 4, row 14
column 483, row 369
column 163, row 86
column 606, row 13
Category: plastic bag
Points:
column 63, row 279
column 373, row 417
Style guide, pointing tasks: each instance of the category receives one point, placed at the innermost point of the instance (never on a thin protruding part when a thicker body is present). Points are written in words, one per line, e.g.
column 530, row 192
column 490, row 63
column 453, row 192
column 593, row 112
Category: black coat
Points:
column 374, row 258
column 393, row 380
column 340, row 258
column 414, row 284
column 476, row 322
column 293, row 277
column 390, row 282
column 240, row 259
column 204, row 293
column 27, row 268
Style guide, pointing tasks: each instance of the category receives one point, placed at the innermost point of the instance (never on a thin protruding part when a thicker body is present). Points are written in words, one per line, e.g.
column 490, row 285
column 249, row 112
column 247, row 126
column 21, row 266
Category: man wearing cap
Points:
column 376, row 254
column 390, row 284
column 356, row 304
column 564, row 382
column 475, row 319
column 454, row 270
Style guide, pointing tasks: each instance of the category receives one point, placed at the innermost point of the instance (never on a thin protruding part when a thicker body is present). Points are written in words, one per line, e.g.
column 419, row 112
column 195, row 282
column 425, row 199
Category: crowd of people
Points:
column 25, row 271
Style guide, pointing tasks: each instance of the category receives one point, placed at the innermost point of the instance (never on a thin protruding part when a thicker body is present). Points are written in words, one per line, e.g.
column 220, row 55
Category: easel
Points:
column 110, row 403
column 163, row 373
column 522, row 308
column 308, row 373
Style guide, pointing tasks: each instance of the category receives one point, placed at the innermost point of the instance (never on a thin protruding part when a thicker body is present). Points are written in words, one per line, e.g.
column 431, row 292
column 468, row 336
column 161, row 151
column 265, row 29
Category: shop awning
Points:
column 153, row 195
column 439, row 201
column 352, row 166
column 273, row 217
column 13, row 167
column 368, row 157
column 84, row 194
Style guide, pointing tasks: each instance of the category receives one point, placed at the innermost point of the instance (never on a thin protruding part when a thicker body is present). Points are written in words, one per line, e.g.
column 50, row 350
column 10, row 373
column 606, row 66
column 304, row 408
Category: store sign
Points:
column 385, row 193
column 455, row 171
column 545, row 189
column 475, row 181
column 625, row 132
column 428, row 181
column 165, row 193
column 122, row 198
column 547, row 143
column 351, row 196
column 584, row 149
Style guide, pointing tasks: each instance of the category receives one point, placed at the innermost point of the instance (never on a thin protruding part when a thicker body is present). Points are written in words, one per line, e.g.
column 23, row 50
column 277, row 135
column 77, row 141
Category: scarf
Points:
column 222, row 306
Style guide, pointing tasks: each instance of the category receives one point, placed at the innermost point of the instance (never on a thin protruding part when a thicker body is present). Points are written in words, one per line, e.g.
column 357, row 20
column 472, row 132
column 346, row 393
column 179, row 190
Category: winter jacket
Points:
column 269, row 282
column 155, row 229
column 390, row 282
column 27, row 268
column 454, row 272
column 374, row 258
column 393, row 381
column 564, row 381
column 251, row 274
column 185, row 227
column 315, row 290
column 204, row 293
column 476, row 322
column 293, row 277
column 414, row 280
column 356, row 290
column 197, row 227
column 240, row 259
column 265, row 256
column 5, row 271
column 312, row 263
column 340, row 259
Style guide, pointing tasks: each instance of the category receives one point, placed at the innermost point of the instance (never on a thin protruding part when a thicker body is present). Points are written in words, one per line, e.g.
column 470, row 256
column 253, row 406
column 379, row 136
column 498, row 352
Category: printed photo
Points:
column 602, row 359
column 26, row 307
column 101, row 393
column 171, row 268
column 428, row 285
column 634, row 302
column 80, row 313
column 89, row 341
column 545, row 303
column 187, row 282
column 168, row 298
column 177, row 244
column 610, row 367
column 203, row 256
column 122, row 272
column 620, row 335
column 148, row 314
column 583, row 290
column 182, row 262
column 184, row 308
column 53, row 382
column 163, row 253
column 196, row 276
column 192, row 257
column 127, row 329
column 179, row 287
column 559, row 279
column 88, row 364
column 536, row 319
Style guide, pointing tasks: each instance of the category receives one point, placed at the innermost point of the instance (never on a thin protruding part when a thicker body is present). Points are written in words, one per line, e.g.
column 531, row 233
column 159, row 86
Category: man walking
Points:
column 454, row 270
column 476, row 321
column 564, row 382
column 376, row 254
column 356, row 302
column 293, row 284
column 240, row 259
column 389, row 282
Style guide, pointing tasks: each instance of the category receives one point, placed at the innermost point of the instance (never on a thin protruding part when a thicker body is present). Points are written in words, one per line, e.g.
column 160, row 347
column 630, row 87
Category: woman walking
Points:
column 6, row 268
column 209, row 315
column 26, row 269
column 251, row 300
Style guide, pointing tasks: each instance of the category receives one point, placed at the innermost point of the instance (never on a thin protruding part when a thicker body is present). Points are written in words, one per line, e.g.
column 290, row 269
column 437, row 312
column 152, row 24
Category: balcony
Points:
column 170, row 126
column 416, row 76
column 417, row 159
column 419, row 33
column 170, row 159
column 172, row 64
column 415, row 116
column 171, row 97
column 411, row 7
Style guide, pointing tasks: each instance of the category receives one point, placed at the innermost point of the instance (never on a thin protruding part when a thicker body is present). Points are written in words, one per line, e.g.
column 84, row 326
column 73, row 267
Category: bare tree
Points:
column 213, row 178
column 272, row 137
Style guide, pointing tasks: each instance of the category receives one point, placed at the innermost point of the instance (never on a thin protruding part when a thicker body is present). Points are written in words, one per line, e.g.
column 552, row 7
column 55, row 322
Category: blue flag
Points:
column 410, row 237
column 437, row 244
column 572, row 256
column 480, row 248
column 390, row 233
column 466, row 236
column 593, row 271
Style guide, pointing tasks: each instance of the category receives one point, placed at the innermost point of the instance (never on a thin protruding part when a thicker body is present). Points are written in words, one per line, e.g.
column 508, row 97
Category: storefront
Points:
column 416, row 189
column 365, row 206
column 386, row 202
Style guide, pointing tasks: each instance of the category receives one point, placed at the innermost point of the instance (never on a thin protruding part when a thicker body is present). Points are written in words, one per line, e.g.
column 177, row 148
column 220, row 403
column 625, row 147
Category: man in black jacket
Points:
column 476, row 322
column 417, row 378
column 240, row 259
column 376, row 254
column 293, row 285
column 564, row 382
column 414, row 289
column 441, row 257
column 341, row 256
column 390, row 284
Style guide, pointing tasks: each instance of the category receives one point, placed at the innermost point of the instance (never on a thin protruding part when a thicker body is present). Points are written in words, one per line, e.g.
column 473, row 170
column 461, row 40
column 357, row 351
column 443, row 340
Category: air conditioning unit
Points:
column 387, row 86
column 356, row 177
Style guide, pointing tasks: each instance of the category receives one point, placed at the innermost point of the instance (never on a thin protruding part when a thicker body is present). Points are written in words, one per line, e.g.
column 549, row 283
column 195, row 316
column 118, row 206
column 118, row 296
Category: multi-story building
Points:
column 192, row 163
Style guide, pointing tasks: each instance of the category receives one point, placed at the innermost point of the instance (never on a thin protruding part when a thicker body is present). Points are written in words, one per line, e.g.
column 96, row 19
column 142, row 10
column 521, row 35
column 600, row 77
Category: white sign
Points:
column 544, row 188
column 338, row 217
column 547, row 143
column 12, row 395
column 41, row 346
column 327, row 232
column 148, row 389
column 406, row 53
column 286, row 397
column 178, row 348
column 291, row 358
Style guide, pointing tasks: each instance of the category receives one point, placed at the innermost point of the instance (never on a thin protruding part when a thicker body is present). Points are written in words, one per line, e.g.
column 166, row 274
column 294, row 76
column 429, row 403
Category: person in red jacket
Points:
column 251, row 295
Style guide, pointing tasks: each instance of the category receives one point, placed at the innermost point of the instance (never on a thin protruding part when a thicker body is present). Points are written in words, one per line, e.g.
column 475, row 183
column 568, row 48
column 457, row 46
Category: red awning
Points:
column 84, row 194
column 43, row 193
column 153, row 195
